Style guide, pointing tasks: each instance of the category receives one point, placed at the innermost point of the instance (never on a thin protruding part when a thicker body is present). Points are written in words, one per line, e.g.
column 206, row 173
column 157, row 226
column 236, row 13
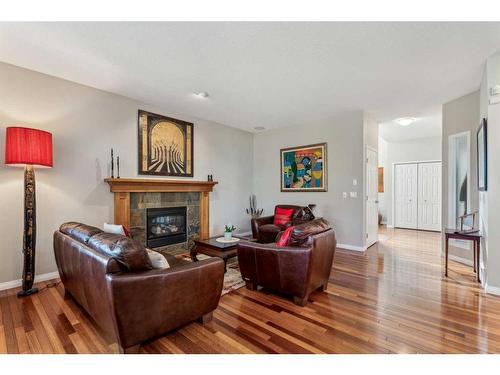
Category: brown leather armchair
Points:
column 264, row 230
column 298, row 269
column 111, row 277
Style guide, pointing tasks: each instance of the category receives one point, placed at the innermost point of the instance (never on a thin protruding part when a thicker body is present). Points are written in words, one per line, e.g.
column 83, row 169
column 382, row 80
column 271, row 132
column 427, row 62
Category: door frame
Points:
column 451, row 214
column 393, row 184
column 365, row 206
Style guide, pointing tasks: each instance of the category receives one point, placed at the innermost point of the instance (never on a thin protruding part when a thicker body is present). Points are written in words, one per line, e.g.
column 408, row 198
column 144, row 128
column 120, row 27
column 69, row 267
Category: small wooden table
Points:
column 213, row 248
column 474, row 237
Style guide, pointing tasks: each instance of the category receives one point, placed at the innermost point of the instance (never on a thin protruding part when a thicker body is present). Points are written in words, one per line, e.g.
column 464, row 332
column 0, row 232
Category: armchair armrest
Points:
column 151, row 303
column 257, row 222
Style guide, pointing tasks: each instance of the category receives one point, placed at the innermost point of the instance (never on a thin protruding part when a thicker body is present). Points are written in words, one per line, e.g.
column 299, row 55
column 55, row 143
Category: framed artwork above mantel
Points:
column 304, row 168
column 165, row 145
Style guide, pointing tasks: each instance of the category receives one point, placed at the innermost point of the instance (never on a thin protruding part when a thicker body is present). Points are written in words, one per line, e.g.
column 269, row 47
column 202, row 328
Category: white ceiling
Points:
column 263, row 74
column 427, row 124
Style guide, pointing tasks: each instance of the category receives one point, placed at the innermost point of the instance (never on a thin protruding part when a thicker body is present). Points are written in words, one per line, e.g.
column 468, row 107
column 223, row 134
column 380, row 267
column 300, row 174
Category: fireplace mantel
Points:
column 143, row 185
column 122, row 187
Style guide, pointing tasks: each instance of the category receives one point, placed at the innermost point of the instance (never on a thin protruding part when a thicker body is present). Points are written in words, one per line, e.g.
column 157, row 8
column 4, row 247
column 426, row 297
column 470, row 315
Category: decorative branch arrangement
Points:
column 253, row 210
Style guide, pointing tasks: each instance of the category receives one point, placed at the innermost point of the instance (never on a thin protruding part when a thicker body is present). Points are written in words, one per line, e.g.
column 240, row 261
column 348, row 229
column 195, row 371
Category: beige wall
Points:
column 344, row 135
column 460, row 115
column 86, row 123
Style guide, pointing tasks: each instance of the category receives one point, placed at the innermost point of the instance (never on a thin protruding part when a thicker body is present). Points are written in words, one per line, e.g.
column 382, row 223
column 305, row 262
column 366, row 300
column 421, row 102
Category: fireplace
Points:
column 165, row 226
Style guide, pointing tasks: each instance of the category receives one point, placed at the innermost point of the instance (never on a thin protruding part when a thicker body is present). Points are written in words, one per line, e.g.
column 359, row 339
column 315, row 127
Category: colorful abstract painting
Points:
column 165, row 146
column 304, row 168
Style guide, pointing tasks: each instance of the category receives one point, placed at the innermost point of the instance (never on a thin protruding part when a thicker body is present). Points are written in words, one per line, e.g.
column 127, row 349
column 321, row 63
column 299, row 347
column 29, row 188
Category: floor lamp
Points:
column 28, row 147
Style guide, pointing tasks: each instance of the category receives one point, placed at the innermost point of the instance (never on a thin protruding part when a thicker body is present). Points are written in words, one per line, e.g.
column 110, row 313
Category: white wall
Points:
column 344, row 135
column 86, row 123
column 421, row 149
column 489, row 202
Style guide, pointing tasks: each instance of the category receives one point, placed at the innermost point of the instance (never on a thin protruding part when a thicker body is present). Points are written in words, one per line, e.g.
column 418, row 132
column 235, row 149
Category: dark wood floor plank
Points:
column 8, row 329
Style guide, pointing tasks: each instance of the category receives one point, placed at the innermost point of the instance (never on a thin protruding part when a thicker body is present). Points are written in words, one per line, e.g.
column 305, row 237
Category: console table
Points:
column 474, row 237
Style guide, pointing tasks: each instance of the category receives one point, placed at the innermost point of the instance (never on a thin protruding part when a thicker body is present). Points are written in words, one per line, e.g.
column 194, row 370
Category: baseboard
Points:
column 351, row 247
column 389, row 226
column 467, row 262
column 492, row 290
column 17, row 283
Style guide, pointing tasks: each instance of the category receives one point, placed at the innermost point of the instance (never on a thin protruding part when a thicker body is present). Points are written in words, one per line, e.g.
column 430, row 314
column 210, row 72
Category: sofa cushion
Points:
column 78, row 231
column 129, row 254
column 302, row 232
column 283, row 216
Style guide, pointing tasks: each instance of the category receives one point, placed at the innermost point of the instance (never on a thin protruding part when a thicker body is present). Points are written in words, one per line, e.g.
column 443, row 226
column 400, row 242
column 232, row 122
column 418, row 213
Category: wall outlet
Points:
column 354, row 194
column 354, row 182
column 344, row 194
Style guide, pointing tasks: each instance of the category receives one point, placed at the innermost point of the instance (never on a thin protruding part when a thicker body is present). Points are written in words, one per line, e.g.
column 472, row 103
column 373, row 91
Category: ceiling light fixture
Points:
column 259, row 128
column 202, row 94
column 405, row 121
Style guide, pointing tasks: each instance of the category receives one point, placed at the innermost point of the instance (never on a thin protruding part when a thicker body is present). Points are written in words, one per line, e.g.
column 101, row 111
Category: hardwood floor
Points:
column 391, row 299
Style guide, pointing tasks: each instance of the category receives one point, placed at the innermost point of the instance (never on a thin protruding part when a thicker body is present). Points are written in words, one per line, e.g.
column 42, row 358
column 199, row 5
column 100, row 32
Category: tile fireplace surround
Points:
column 140, row 202
column 134, row 196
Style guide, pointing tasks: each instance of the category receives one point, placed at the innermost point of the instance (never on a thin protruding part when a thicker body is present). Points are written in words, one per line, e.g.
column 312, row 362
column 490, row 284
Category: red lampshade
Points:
column 28, row 146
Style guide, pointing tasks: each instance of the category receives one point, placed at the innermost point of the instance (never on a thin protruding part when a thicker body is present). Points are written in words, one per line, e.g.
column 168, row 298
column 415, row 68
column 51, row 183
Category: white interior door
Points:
column 371, row 197
column 405, row 196
column 429, row 196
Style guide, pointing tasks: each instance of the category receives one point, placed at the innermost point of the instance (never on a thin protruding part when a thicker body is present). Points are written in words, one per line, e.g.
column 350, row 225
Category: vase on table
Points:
column 228, row 236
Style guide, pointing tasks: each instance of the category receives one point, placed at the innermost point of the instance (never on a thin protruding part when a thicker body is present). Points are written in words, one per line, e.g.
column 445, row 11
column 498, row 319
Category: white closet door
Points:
column 406, row 196
column 429, row 196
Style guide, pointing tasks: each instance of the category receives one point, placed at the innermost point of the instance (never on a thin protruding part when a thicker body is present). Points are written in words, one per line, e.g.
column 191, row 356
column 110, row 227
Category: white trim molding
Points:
column 458, row 259
column 351, row 247
column 492, row 290
column 16, row 283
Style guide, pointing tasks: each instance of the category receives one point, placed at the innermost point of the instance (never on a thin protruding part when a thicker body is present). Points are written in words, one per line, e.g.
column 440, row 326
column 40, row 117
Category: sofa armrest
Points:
column 257, row 222
column 151, row 303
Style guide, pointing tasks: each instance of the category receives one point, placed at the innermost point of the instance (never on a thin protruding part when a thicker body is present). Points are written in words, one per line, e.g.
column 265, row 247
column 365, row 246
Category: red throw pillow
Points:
column 285, row 237
column 282, row 216
column 126, row 232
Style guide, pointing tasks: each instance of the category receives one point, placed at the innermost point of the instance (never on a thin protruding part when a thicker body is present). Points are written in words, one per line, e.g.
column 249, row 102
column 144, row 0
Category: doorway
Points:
column 417, row 195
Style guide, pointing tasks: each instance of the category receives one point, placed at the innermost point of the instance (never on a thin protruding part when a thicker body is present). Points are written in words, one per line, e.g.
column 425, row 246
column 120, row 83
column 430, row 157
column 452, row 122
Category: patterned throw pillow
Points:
column 285, row 237
column 282, row 216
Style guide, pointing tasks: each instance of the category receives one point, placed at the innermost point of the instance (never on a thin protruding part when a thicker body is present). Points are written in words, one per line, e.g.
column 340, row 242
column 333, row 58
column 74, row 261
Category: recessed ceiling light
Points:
column 202, row 94
column 260, row 128
column 405, row 121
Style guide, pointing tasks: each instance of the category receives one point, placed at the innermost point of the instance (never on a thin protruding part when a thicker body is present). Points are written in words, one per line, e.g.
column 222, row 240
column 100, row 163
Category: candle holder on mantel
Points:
column 112, row 164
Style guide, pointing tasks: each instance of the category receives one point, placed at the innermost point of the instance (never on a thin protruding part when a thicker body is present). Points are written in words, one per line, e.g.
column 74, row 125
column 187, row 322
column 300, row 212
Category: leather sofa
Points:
column 297, row 269
column 264, row 230
column 112, row 279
